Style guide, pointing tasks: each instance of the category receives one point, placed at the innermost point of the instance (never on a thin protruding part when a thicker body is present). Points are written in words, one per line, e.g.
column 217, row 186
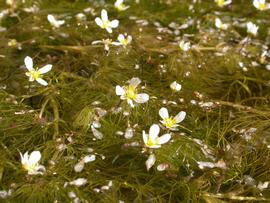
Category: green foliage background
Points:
column 83, row 73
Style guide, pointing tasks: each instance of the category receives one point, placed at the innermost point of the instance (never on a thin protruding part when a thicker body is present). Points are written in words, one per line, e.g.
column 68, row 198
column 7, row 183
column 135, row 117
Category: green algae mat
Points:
column 134, row 101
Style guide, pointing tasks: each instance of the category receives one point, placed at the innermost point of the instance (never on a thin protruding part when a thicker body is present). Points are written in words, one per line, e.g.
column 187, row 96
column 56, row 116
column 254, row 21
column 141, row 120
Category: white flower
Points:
column 220, row 25
column 171, row 122
column 252, row 28
column 184, row 46
column 152, row 140
column 54, row 22
column 30, row 163
column 130, row 94
column 119, row 4
column 222, row 3
column 150, row 161
column 122, row 40
column 175, row 86
column 36, row 74
column 104, row 22
column 106, row 42
column 261, row 5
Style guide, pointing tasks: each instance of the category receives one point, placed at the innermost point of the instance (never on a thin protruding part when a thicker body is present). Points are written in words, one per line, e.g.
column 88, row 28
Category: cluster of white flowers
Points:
column 105, row 23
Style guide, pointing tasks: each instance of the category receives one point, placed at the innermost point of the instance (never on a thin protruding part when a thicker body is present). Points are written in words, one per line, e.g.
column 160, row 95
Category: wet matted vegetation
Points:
column 167, row 101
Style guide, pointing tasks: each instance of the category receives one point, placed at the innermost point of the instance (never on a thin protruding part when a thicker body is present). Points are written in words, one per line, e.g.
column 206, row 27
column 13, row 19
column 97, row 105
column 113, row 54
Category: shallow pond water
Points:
column 144, row 101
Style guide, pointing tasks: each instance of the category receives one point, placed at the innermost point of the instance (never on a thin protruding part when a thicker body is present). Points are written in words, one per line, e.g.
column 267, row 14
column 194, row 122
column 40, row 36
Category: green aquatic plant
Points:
column 85, row 126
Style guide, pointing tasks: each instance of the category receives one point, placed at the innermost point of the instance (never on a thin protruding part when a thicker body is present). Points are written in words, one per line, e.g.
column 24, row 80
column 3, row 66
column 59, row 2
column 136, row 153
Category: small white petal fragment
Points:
column 129, row 133
column 162, row 167
column 220, row 25
column 252, row 28
column 78, row 182
column 175, row 86
column 55, row 23
column 120, row 6
column 150, row 161
column 89, row 158
column 184, row 46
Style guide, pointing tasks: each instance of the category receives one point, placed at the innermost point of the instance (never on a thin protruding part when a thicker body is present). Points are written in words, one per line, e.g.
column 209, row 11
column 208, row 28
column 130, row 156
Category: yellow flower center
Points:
column 131, row 92
column 35, row 74
column 169, row 122
column 151, row 143
column 261, row 6
column 30, row 167
column 220, row 3
column 106, row 24
column 124, row 42
column 121, row 7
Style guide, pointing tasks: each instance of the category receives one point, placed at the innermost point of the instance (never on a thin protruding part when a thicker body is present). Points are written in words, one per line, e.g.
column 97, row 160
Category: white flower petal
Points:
column 42, row 82
column 129, row 38
column 109, row 30
column 130, row 102
column 118, row 3
column 142, row 98
column 28, row 63
column 134, row 82
column 145, row 137
column 24, row 158
column 256, row 3
column 51, row 19
column 34, row 157
column 154, row 131
column 45, row 69
column 119, row 90
column 180, row 116
column 164, row 139
column 114, row 23
column 218, row 23
column 104, row 15
column 150, row 161
column 116, row 43
column 121, row 37
column 163, row 112
column 99, row 22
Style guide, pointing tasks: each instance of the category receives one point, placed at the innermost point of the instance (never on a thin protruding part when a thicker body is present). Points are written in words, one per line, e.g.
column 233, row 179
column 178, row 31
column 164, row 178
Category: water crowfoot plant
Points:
column 261, row 5
column 120, row 6
column 105, row 23
column 152, row 140
column 30, row 163
column 130, row 93
column 36, row 74
column 171, row 123
column 91, row 139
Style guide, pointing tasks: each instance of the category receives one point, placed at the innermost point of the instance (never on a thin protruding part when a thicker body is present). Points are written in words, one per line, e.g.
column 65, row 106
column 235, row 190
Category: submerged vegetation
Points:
column 134, row 101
